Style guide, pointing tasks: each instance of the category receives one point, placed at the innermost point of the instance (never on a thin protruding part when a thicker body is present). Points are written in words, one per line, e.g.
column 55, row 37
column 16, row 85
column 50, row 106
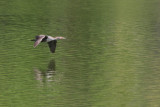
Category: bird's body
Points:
column 49, row 39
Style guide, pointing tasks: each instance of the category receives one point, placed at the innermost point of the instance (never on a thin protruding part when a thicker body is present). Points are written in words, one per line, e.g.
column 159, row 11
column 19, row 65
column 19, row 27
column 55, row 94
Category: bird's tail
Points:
column 33, row 40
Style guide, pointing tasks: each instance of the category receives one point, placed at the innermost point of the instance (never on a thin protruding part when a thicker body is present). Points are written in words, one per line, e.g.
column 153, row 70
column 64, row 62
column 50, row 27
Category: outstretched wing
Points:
column 38, row 40
column 52, row 45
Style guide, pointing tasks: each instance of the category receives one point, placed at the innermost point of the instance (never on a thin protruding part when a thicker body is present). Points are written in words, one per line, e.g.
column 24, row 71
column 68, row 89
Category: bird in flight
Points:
column 49, row 39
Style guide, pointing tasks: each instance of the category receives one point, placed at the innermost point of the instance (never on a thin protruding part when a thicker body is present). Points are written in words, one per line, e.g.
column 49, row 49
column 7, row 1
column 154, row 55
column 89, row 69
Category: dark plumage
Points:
column 52, row 45
column 49, row 39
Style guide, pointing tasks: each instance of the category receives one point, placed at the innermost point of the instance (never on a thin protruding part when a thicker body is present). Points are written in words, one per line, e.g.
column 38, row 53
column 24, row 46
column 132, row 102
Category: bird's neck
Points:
column 56, row 38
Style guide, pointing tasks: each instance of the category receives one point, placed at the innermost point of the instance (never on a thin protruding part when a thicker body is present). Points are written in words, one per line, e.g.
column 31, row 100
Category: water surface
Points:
column 111, row 56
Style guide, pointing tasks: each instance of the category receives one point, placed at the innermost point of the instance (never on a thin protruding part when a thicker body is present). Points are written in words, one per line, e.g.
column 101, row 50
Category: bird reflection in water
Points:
column 47, row 76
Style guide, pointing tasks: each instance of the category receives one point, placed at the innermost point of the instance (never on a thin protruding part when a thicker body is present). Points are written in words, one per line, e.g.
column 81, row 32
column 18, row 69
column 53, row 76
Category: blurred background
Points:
column 111, row 57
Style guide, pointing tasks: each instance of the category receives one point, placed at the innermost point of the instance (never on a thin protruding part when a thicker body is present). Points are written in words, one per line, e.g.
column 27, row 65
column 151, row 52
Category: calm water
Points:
column 111, row 57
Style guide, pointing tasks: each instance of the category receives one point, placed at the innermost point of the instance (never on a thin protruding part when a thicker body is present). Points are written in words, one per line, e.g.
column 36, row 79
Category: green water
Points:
column 111, row 57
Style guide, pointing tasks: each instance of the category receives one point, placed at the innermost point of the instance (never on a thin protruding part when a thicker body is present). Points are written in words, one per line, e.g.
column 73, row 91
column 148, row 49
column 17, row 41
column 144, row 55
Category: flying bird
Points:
column 49, row 39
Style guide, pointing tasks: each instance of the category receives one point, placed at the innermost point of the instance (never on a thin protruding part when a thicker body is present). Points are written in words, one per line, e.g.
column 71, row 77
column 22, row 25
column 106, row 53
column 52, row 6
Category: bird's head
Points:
column 60, row 37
